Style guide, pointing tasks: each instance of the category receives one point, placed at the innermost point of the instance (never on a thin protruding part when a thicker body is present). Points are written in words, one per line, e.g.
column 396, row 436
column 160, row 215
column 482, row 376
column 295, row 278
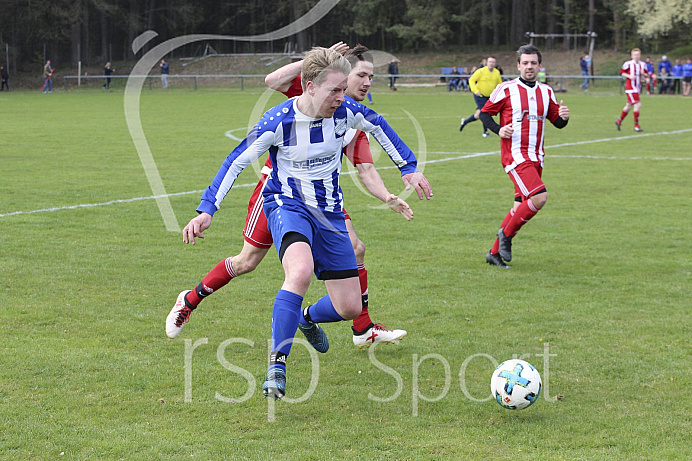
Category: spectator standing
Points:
column 107, row 71
column 47, row 74
column 677, row 72
column 686, row 77
column 393, row 70
column 665, row 68
column 543, row 75
column 5, row 77
column 585, row 65
column 164, row 73
column 482, row 83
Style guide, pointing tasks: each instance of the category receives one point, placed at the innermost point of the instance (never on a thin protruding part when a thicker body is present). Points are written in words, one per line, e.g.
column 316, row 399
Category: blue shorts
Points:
column 325, row 232
column 480, row 101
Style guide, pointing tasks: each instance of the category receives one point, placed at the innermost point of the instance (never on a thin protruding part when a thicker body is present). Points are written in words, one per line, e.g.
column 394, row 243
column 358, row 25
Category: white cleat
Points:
column 378, row 334
column 179, row 316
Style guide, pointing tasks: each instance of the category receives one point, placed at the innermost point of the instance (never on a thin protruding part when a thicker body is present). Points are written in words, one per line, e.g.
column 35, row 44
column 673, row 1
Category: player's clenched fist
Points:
column 195, row 227
column 563, row 111
column 506, row 131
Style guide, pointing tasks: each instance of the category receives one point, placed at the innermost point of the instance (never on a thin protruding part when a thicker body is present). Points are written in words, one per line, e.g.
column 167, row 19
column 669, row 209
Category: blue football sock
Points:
column 277, row 360
column 285, row 320
column 322, row 311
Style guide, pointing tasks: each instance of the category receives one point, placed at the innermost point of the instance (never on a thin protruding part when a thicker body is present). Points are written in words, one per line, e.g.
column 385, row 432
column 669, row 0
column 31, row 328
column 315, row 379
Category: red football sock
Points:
column 623, row 115
column 636, row 118
column 216, row 279
column 496, row 246
column 363, row 321
column 522, row 215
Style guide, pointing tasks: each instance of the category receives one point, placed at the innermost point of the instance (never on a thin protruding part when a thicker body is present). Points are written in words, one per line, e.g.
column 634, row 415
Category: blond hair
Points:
column 319, row 62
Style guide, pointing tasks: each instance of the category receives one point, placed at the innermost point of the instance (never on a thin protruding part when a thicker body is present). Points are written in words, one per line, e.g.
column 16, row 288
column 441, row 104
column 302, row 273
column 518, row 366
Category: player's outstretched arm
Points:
column 339, row 47
column 282, row 78
column 372, row 181
column 195, row 227
column 367, row 120
column 420, row 184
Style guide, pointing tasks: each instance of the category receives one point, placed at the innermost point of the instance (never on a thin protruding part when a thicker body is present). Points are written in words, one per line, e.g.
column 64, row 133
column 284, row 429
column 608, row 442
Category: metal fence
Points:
column 561, row 83
column 154, row 81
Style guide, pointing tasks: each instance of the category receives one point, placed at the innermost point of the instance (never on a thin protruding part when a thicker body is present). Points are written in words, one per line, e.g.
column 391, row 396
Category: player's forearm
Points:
column 560, row 123
column 281, row 79
column 249, row 150
column 489, row 122
column 397, row 150
column 372, row 181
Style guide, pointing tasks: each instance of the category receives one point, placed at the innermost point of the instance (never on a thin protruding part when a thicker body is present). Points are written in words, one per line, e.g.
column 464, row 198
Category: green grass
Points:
column 601, row 279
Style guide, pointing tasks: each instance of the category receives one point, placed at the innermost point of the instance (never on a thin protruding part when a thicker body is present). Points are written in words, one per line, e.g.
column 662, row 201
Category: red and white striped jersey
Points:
column 636, row 70
column 527, row 109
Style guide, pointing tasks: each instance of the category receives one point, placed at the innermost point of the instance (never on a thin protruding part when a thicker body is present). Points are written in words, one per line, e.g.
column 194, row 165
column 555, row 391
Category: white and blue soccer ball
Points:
column 516, row 384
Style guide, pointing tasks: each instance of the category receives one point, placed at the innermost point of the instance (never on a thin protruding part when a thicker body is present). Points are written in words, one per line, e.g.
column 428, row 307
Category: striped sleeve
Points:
column 495, row 102
column 553, row 106
column 249, row 150
column 366, row 119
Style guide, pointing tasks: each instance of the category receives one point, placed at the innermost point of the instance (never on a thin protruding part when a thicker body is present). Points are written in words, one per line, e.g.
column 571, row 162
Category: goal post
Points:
column 589, row 36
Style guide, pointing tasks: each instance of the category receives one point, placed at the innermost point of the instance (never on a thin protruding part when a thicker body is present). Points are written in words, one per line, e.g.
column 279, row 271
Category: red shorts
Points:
column 256, row 231
column 527, row 179
column 632, row 98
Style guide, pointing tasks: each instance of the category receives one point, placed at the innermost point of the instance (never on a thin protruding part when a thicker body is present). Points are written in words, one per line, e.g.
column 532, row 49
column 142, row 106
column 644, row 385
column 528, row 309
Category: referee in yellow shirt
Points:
column 482, row 83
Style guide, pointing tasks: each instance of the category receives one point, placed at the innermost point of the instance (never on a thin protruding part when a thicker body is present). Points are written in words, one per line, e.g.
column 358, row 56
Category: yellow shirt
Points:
column 484, row 81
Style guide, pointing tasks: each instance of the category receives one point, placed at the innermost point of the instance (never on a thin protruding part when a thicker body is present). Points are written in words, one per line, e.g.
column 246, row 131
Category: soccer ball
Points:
column 516, row 384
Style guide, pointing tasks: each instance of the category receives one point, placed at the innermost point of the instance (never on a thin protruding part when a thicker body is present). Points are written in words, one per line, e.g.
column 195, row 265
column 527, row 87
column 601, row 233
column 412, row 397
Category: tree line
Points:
column 96, row 31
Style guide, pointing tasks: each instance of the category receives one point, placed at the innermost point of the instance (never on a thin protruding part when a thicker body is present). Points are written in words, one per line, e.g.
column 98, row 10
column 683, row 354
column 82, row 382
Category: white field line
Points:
column 450, row 156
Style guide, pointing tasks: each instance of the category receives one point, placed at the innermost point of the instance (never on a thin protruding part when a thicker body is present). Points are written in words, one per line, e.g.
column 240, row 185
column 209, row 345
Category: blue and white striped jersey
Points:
column 306, row 154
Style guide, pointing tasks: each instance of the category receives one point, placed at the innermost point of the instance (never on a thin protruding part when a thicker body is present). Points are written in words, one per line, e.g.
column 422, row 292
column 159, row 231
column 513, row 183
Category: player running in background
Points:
column 524, row 105
column 258, row 239
column 634, row 71
column 482, row 83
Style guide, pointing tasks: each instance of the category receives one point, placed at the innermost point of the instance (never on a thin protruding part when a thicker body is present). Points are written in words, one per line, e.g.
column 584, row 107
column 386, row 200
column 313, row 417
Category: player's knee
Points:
column 351, row 311
column 539, row 200
column 247, row 261
column 358, row 249
column 241, row 265
column 298, row 278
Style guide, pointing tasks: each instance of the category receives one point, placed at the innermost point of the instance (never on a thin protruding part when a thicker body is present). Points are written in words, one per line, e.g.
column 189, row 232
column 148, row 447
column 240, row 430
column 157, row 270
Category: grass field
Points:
column 598, row 296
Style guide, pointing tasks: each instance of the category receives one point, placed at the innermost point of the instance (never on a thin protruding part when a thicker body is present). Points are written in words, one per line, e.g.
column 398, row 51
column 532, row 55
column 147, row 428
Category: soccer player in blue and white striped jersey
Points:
column 304, row 137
